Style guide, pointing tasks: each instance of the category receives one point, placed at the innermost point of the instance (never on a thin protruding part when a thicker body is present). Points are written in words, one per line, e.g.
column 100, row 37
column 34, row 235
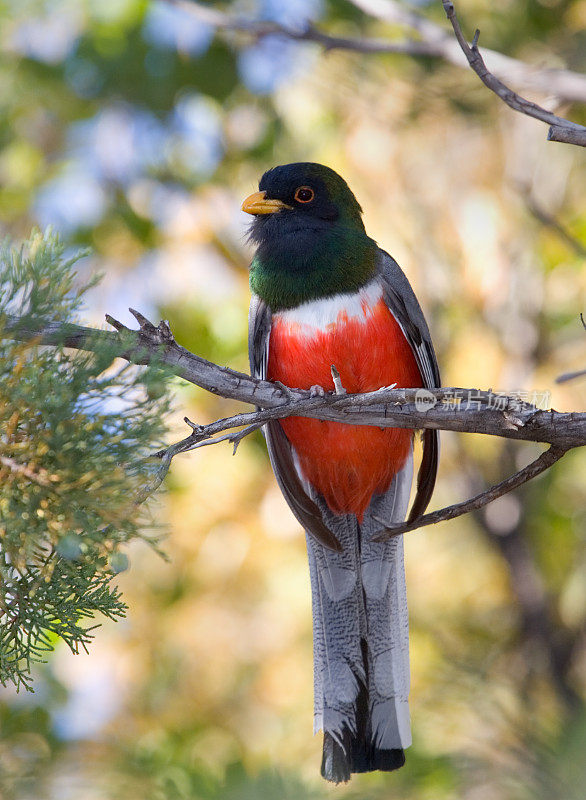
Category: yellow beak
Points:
column 258, row 203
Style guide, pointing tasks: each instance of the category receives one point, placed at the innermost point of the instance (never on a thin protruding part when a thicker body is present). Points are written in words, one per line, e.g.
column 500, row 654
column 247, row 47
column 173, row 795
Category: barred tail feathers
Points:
column 383, row 581
column 361, row 644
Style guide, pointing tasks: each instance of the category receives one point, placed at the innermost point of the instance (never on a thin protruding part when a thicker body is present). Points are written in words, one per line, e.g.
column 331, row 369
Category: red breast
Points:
column 357, row 333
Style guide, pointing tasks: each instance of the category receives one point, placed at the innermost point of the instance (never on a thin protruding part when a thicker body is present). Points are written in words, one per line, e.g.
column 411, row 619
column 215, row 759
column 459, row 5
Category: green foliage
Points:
column 74, row 427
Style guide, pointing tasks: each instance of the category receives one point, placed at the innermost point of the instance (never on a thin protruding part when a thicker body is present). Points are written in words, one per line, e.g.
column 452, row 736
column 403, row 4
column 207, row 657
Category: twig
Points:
column 570, row 376
column 432, row 42
column 562, row 130
column 261, row 29
column 200, row 437
column 562, row 84
column 150, row 487
column 338, row 386
column 545, row 461
column 455, row 409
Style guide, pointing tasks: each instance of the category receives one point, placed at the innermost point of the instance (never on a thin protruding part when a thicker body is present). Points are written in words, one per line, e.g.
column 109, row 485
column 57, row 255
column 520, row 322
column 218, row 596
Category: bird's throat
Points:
column 304, row 265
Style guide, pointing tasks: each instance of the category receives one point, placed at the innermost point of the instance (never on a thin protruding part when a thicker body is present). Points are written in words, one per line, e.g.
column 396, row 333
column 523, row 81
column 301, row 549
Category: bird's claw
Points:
column 286, row 391
column 317, row 391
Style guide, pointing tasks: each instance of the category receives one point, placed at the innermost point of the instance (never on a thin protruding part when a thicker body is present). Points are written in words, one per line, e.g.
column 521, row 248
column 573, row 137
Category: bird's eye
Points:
column 304, row 194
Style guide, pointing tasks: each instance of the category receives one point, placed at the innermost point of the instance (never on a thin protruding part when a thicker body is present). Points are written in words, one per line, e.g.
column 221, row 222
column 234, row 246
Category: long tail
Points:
column 361, row 640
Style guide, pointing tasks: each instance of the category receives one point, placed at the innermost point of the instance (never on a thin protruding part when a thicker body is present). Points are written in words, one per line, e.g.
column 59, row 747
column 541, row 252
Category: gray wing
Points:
column 280, row 453
column 401, row 300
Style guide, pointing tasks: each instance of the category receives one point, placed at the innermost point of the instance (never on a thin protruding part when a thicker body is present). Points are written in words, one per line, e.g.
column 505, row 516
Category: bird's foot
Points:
column 317, row 391
column 286, row 391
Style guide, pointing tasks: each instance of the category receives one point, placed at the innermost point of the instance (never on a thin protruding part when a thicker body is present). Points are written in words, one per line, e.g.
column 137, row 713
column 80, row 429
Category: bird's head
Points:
column 301, row 197
column 309, row 234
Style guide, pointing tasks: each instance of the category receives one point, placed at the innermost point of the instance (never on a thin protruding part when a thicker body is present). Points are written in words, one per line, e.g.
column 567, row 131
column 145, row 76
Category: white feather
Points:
column 319, row 315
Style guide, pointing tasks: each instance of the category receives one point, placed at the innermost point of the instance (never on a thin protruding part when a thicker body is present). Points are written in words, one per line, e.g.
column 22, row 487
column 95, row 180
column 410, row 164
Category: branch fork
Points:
column 155, row 334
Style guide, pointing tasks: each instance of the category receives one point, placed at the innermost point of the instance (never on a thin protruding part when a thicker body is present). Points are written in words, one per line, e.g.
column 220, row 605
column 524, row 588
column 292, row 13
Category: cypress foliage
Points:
column 76, row 430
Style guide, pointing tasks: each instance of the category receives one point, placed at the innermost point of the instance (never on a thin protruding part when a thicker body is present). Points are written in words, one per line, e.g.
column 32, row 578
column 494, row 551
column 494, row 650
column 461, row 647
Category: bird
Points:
column 327, row 301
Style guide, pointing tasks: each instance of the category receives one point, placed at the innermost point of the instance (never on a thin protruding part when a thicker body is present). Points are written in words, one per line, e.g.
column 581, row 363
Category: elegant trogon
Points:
column 323, row 294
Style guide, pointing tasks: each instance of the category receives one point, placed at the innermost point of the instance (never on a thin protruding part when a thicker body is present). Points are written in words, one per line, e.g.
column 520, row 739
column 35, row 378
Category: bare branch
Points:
column 545, row 461
column 432, row 41
column 261, row 29
column 566, row 135
column 570, row 376
column 455, row 409
column 562, row 130
column 465, row 410
column 150, row 487
column 561, row 83
column 338, row 385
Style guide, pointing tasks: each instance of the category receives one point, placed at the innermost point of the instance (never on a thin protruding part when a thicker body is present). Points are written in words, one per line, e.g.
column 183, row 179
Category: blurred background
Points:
column 136, row 128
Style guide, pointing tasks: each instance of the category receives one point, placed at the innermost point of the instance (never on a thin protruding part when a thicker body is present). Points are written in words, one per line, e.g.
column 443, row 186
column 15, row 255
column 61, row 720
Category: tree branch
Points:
column 570, row 376
column 566, row 134
column 433, row 42
column 455, row 409
column 464, row 410
column 562, row 130
column 562, row 83
column 545, row 461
